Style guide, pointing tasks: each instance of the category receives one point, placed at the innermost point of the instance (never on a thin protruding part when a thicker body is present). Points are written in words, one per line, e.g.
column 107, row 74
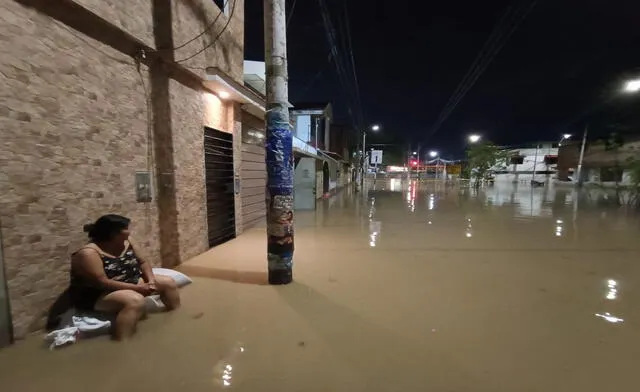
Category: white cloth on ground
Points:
column 76, row 324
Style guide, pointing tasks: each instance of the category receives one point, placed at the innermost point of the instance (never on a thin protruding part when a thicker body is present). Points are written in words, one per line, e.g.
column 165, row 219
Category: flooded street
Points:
column 408, row 287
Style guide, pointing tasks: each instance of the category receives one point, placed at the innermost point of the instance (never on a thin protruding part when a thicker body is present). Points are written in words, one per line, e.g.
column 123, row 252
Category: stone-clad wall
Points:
column 134, row 17
column 192, row 17
column 74, row 130
column 73, row 133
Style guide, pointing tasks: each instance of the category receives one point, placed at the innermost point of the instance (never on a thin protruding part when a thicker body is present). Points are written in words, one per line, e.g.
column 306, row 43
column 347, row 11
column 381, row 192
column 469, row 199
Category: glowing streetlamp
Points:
column 565, row 136
column 365, row 164
column 474, row 138
column 433, row 154
column 632, row 86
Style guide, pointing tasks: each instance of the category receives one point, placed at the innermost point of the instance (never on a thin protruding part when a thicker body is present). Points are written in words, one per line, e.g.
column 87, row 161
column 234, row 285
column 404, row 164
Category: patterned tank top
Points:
column 124, row 268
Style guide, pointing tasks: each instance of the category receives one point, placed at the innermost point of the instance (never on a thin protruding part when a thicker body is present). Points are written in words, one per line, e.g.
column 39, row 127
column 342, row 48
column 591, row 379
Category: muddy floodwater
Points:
column 406, row 287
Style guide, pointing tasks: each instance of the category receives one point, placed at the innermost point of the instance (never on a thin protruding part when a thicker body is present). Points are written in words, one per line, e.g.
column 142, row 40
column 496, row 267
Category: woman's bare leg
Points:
column 129, row 306
column 168, row 290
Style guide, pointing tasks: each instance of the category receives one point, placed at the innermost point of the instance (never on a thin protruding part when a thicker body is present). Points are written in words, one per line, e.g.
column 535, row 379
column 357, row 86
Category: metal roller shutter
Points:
column 218, row 159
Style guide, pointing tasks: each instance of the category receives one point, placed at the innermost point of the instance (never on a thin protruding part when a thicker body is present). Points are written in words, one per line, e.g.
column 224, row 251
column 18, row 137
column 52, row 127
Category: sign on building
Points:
column 376, row 157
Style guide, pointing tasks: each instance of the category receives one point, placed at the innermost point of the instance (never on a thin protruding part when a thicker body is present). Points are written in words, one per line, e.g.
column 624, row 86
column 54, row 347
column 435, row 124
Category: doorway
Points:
column 305, row 184
column 219, row 179
column 5, row 315
column 325, row 178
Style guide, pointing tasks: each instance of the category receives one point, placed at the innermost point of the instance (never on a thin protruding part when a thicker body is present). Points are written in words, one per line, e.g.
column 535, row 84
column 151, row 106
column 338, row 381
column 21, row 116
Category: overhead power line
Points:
column 336, row 52
column 206, row 30
column 210, row 44
column 507, row 25
column 293, row 8
column 353, row 63
column 315, row 77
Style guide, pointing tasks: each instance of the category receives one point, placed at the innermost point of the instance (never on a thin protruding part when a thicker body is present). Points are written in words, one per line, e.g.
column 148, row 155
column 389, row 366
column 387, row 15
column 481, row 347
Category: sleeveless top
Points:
column 124, row 268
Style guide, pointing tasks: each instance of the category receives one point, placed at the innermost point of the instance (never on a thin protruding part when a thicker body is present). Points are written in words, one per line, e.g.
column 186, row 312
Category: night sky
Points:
column 562, row 67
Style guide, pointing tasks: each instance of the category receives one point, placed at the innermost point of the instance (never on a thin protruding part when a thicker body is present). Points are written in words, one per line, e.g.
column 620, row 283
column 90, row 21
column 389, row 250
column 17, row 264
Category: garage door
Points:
column 218, row 160
column 253, row 174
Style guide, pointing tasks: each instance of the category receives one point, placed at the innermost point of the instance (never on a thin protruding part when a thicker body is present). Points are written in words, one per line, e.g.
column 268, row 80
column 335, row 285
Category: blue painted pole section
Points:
column 280, row 163
column 279, row 147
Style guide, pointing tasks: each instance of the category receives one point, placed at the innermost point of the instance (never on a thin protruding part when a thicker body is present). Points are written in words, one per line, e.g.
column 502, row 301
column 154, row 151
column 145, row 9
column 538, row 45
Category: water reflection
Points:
column 559, row 227
column 610, row 318
column 469, row 230
column 372, row 207
column 612, row 290
column 411, row 195
column 395, row 185
column 611, row 294
column 375, row 227
column 223, row 370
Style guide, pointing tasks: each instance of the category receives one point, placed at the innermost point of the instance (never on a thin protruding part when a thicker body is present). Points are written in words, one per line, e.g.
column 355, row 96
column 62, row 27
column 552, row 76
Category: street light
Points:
column 433, row 154
column 374, row 128
column 415, row 153
column 565, row 136
column 474, row 138
column 632, row 86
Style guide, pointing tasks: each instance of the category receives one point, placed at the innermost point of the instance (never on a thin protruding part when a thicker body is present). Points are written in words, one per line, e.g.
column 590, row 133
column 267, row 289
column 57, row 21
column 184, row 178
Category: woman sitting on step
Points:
column 107, row 275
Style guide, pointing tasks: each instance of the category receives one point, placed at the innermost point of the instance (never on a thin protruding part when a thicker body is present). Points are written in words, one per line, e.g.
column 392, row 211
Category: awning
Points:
column 219, row 82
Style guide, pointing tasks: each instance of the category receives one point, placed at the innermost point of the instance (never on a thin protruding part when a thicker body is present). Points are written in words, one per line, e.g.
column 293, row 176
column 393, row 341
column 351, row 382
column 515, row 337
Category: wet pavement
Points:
column 412, row 287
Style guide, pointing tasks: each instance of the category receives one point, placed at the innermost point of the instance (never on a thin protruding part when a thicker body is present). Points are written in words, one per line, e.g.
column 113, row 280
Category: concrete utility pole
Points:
column 365, row 163
column 584, row 143
column 279, row 147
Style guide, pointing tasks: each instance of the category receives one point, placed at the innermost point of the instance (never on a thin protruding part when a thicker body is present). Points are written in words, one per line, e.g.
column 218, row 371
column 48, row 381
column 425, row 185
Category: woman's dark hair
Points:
column 107, row 227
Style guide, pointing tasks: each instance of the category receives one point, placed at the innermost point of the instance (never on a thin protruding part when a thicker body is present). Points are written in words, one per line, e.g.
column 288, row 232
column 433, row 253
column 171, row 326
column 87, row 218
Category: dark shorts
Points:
column 85, row 298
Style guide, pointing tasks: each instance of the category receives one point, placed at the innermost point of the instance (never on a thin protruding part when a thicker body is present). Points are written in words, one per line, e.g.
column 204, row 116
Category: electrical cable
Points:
column 86, row 42
column 353, row 63
column 315, row 77
column 206, row 30
column 479, row 66
column 340, row 68
column 498, row 38
column 224, row 28
column 334, row 52
column 293, row 8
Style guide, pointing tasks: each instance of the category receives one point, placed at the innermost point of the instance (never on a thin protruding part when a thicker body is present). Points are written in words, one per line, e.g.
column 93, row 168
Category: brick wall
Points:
column 192, row 17
column 191, row 111
column 134, row 17
column 74, row 130
column 187, row 112
column 73, row 133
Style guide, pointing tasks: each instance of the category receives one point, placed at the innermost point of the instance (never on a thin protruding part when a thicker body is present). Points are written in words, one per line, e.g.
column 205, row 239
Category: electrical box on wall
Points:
column 143, row 187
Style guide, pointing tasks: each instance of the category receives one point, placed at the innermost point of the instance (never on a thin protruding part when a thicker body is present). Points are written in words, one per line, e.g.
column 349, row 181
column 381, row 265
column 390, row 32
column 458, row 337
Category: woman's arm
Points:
column 87, row 263
column 145, row 266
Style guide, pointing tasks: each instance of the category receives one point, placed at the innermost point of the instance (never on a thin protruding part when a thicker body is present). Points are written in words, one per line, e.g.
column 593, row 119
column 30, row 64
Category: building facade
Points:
column 116, row 107
column 600, row 165
column 537, row 163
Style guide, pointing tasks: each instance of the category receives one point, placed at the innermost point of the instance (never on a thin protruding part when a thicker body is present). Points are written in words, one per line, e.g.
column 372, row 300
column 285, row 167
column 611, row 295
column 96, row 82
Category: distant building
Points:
column 312, row 124
column 599, row 164
column 527, row 163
